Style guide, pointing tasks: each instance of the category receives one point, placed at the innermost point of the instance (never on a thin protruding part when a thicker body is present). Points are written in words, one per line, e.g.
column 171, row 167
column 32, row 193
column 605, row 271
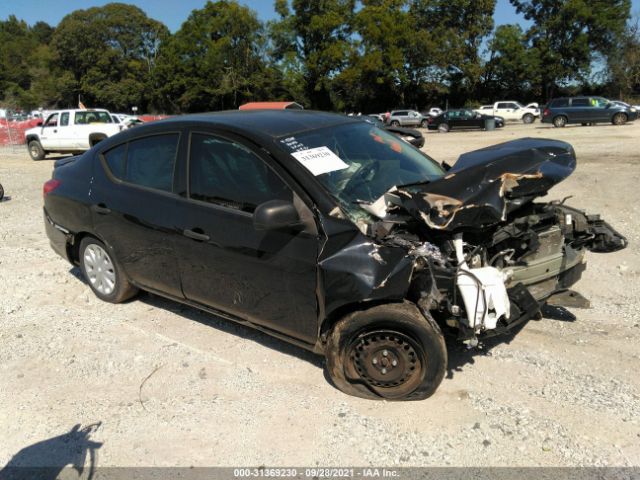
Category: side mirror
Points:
column 39, row 124
column 276, row 215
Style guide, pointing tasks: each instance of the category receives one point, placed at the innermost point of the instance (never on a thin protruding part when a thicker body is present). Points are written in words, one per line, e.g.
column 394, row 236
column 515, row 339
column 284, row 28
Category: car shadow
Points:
column 459, row 355
column 228, row 326
column 219, row 323
column 45, row 460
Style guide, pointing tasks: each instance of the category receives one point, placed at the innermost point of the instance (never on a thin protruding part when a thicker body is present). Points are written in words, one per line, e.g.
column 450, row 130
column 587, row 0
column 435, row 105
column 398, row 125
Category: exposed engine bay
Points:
column 485, row 255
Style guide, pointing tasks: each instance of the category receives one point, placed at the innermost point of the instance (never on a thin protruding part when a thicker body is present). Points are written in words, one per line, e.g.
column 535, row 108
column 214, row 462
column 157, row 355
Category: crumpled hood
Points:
column 484, row 185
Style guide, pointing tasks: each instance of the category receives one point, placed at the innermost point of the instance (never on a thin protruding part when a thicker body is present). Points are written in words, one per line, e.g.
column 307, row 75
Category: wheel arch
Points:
column 96, row 137
column 339, row 313
column 31, row 137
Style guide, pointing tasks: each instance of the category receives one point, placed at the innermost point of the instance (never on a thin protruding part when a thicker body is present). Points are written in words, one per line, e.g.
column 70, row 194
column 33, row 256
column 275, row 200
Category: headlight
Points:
column 633, row 110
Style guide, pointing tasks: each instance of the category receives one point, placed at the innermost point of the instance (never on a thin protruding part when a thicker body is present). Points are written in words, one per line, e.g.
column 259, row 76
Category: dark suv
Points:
column 586, row 111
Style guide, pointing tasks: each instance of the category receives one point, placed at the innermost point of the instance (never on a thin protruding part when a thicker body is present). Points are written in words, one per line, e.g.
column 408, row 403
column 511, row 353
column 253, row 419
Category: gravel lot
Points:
column 214, row 393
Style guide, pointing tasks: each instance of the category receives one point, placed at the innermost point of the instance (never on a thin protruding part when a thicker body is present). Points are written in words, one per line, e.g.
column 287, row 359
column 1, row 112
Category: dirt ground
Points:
column 172, row 386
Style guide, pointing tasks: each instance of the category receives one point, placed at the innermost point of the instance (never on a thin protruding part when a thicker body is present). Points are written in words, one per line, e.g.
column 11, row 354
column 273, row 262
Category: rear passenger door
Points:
column 134, row 208
column 581, row 111
column 266, row 277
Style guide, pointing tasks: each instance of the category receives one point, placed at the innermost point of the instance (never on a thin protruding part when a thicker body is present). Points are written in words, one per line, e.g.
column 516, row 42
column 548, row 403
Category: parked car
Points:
column 327, row 232
column 70, row 131
column 126, row 121
column 414, row 137
column 511, row 110
column 462, row 118
column 407, row 118
column 432, row 112
column 586, row 110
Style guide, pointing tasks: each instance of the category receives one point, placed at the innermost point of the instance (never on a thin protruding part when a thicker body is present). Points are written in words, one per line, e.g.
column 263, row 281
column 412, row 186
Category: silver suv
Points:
column 407, row 118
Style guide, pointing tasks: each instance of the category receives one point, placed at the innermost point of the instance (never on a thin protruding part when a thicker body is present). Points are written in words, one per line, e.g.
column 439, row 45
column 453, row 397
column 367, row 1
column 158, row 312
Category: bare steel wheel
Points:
column 102, row 272
column 389, row 360
column 390, row 351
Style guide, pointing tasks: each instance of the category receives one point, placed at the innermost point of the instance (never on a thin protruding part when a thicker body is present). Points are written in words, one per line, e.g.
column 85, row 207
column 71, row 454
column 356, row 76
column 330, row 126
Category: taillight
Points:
column 430, row 120
column 546, row 112
column 49, row 186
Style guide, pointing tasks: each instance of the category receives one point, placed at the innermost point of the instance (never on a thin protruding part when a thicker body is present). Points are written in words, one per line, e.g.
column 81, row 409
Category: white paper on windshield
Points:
column 319, row 160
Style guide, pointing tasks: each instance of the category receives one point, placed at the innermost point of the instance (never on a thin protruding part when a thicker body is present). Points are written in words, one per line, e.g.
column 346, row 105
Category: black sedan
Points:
column 463, row 118
column 414, row 137
column 327, row 232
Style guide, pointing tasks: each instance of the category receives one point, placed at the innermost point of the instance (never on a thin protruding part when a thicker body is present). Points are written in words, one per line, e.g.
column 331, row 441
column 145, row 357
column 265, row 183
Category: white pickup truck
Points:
column 511, row 110
column 70, row 131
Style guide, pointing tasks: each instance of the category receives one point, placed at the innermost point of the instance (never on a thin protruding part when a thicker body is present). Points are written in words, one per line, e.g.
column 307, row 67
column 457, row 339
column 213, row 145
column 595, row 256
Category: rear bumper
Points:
column 58, row 237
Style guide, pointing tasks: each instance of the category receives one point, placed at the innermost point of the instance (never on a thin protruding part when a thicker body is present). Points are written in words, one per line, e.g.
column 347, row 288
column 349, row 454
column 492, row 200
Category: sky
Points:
column 173, row 12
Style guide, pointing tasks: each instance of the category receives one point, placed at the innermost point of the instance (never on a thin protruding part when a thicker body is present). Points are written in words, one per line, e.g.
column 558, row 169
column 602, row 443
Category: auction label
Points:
column 320, row 160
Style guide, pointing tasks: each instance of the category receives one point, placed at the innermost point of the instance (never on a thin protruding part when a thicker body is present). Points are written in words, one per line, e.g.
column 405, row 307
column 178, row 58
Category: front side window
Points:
column 599, row 102
column 228, row 174
column 148, row 162
column 52, row 121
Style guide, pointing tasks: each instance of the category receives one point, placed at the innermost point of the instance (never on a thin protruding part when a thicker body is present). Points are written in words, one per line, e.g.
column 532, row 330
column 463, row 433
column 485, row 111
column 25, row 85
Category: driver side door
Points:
column 268, row 278
column 49, row 133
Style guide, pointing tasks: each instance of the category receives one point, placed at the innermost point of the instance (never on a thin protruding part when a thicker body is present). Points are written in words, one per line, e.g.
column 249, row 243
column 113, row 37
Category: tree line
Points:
column 345, row 55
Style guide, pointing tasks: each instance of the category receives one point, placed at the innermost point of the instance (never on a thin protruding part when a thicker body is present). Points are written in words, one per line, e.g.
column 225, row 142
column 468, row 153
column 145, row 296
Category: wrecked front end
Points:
column 476, row 251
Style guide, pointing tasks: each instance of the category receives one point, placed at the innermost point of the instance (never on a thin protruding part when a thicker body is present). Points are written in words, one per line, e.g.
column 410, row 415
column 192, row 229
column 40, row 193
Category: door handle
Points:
column 55, row 131
column 101, row 209
column 201, row 237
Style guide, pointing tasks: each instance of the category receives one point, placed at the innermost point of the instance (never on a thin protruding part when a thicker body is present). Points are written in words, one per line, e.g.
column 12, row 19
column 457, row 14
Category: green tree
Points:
column 568, row 34
column 624, row 63
column 215, row 61
column 313, row 40
column 513, row 67
column 110, row 53
column 460, row 26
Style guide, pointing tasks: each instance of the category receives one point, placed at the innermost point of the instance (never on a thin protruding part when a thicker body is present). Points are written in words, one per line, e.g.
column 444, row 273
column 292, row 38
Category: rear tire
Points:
column 388, row 352
column 36, row 151
column 560, row 121
column 443, row 128
column 528, row 118
column 424, row 123
column 102, row 272
column 619, row 119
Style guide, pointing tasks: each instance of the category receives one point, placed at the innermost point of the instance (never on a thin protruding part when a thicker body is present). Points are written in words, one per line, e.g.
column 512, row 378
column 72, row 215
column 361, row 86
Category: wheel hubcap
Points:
column 99, row 267
column 386, row 359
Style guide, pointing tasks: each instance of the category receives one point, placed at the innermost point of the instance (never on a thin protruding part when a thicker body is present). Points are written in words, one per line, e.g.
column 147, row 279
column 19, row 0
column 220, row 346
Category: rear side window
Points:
column 504, row 105
column 561, row 102
column 580, row 102
column 228, row 174
column 64, row 119
column 148, row 162
column 400, row 114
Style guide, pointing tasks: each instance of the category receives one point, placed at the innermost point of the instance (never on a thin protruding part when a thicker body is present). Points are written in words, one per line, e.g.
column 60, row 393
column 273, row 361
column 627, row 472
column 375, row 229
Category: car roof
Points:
column 256, row 123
